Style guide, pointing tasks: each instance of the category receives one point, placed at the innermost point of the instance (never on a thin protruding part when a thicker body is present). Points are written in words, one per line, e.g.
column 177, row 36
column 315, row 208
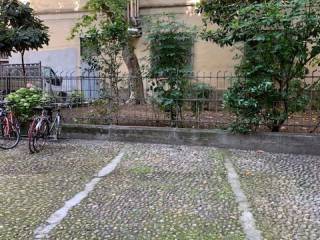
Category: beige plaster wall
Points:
column 208, row 57
column 165, row 3
column 56, row 5
column 60, row 25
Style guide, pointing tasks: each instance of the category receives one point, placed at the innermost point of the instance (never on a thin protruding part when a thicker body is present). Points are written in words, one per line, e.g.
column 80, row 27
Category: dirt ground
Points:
column 149, row 115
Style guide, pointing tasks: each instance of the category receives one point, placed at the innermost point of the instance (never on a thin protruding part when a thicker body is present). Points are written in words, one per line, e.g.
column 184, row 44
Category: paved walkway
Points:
column 157, row 192
column 284, row 191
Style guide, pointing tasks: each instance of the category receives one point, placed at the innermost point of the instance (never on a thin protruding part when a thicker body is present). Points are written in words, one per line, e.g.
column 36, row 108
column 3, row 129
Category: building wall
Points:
column 50, row 6
column 60, row 16
column 165, row 3
column 57, row 53
column 208, row 57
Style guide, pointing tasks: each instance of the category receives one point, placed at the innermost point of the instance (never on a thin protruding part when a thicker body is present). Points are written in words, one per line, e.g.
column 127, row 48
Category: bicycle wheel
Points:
column 9, row 135
column 40, row 139
column 16, row 124
column 31, row 134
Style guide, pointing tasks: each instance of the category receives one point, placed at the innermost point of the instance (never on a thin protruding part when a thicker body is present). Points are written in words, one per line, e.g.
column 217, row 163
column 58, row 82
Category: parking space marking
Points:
column 56, row 218
column 247, row 219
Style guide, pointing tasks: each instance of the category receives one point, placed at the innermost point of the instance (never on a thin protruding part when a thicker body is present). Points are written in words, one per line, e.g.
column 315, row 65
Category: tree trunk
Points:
column 135, row 76
column 23, row 69
column 276, row 128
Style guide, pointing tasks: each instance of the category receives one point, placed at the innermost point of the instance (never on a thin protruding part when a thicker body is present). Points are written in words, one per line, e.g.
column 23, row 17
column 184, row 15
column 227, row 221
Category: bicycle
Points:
column 9, row 128
column 43, row 127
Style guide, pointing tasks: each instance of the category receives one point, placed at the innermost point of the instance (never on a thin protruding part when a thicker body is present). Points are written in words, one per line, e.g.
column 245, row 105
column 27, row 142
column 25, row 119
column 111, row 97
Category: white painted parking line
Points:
column 56, row 218
column 247, row 219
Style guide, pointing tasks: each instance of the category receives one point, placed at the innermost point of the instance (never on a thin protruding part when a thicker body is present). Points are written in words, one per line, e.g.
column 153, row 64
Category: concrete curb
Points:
column 270, row 142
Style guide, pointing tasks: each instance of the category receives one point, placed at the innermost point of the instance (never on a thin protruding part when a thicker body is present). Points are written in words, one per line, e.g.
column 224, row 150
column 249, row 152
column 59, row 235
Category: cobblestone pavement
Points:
column 284, row 192
column 33, row 186
column 157, row 192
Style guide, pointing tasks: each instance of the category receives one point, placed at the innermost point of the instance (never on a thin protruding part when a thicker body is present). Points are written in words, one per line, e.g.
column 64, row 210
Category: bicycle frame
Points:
column 10, row 129
column 45, row 117
column 56, row 122
column 5, row 121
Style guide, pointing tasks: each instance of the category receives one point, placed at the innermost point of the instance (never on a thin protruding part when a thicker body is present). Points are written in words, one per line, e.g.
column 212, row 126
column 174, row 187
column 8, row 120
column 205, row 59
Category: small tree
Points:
column 170, row 44
column 102, row 50
column 278, row 40
column 5, row 40
column 24, row 29
column 106, row 30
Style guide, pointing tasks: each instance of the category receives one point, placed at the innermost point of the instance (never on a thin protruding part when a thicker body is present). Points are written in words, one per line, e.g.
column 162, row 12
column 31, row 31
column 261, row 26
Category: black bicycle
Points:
column 44, row 127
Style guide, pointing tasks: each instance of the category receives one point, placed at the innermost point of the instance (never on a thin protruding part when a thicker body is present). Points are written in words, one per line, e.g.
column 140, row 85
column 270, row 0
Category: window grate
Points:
column 134, row 12
column 4, row 58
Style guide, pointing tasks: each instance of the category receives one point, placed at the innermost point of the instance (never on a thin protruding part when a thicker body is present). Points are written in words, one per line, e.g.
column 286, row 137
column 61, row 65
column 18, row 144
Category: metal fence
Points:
column 82, row 102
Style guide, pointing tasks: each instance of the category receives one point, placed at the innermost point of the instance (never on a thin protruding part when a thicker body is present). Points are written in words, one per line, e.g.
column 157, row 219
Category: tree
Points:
column 102, row 49
column 107, row 24
column 278, row 40
column 5, row 44
column 23, row 30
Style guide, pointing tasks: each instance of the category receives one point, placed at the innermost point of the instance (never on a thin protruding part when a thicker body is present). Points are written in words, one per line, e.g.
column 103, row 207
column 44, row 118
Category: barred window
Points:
column 133, row 11
column 4, row 58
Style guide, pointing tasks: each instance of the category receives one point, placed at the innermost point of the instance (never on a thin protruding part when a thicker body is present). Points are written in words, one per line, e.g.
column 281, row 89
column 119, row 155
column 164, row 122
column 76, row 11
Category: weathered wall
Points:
column 56, row 5
column 165, row 3
column 60, row 25
column 208, row 57
column 61, row 16
column 270, row 142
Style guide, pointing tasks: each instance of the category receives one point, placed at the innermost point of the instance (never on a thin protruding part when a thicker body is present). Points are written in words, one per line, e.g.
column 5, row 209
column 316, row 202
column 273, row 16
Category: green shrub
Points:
column 101, row 107
column 257, row 102
column 24, row 100
column 199, row 93
column 278, row 41
column 315, row 100
column 77, row 97
column 170, row 45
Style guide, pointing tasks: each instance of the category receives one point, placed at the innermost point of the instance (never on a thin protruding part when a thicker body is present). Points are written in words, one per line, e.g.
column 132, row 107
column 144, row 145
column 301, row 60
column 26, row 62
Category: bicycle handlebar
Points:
column 4, row 103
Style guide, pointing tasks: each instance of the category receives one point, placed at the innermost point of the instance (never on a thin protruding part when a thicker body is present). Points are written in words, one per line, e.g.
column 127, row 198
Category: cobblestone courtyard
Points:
column 157, row 192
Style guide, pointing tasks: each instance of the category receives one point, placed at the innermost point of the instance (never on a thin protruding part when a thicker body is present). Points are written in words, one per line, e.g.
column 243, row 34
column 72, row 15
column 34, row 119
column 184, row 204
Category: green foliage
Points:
column 222, row 13
column 257, row 101
column 104, row 33
column 5, row 43
column 22, row 29
column 170, row 44
column 281, row 39
column 24, row 100
column 315, row 99
column 101, row 107
column 108, row 42
column 77, row 97
column 199, row 93
column 141, row 170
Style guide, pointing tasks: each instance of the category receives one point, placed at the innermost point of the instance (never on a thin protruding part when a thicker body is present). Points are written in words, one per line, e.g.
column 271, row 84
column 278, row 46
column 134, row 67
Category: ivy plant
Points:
column 170, row 44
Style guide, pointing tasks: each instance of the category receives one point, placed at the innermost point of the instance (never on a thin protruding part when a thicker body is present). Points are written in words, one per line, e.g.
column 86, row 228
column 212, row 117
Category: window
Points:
column 4, row 59
column 134, row 12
